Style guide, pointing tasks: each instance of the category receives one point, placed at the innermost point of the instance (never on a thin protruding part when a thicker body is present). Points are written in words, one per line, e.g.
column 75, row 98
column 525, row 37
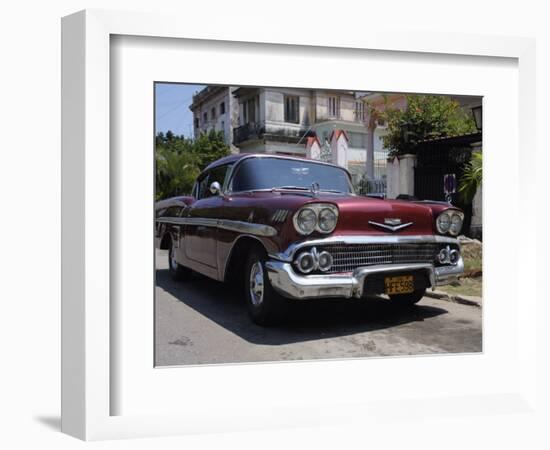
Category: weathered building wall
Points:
column 221, row 121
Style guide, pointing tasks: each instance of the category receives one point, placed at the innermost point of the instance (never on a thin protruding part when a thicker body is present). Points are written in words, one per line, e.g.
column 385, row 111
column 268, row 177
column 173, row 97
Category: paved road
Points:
column 205, row 322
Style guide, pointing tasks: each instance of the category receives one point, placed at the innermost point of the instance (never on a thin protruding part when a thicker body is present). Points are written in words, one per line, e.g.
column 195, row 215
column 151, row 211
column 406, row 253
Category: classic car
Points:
column 287, row 228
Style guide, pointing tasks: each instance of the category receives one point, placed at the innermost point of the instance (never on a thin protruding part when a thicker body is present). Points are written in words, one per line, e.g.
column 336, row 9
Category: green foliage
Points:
column 179, row 160
column 210, row 147
column 425, row 117
column 471, row 178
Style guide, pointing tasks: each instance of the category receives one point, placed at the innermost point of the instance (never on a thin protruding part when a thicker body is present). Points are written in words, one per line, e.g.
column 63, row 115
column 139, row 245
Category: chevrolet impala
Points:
column 286, row 229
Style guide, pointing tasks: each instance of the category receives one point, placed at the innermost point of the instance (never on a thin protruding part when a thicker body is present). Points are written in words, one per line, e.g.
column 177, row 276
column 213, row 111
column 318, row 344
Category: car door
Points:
column 203, row 217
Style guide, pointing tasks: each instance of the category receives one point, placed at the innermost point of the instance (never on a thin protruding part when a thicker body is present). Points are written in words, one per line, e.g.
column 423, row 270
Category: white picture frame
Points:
column 90, row 324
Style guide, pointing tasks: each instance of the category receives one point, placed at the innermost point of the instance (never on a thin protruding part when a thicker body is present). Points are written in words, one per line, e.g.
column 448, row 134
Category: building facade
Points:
column 215, row 108
column 340, row 126
column 279, row 120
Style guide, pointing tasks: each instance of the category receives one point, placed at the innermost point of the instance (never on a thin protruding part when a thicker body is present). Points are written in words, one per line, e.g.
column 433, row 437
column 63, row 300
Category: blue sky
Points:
column 172, row 107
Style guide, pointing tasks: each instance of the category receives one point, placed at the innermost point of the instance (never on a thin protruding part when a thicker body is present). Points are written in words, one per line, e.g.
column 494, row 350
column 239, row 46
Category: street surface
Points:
column 205, row 322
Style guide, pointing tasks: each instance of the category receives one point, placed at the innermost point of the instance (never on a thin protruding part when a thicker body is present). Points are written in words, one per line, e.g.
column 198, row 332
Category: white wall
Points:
column 223, row 122
column 274, row 106
column 347, row 106
column 400, row 176
column 392, row 170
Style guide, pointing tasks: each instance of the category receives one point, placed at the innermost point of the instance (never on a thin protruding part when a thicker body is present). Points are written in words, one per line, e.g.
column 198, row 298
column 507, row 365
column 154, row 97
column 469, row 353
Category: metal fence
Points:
column 376, row 188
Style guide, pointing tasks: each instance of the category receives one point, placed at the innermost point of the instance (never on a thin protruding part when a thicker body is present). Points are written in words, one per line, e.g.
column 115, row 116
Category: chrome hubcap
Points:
column 257, row 283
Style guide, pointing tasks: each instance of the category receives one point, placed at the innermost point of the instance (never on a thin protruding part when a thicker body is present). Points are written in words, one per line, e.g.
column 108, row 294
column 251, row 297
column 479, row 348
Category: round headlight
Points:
column 443, row 256
column 443, row 223
column 305, row 262
column 325, row 261
column 327, row 220
column 306, row 220
column 456, row 224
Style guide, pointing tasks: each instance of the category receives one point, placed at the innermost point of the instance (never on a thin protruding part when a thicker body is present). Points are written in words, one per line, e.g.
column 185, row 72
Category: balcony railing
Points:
column 248, row 131
column 275, row 132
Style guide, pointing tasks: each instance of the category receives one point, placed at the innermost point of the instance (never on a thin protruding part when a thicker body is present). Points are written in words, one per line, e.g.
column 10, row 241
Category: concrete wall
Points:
column 339, row 148
column 407, row 164
column 347, row 106
column 392, row 172
column 313, row 149
column 223, row 122
column 476, row 225
column 275, row 106
column 400, row 176
column 274, row 147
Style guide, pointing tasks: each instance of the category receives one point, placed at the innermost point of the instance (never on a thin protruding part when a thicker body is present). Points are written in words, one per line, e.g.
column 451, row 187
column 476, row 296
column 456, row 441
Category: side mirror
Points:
column 215, row 188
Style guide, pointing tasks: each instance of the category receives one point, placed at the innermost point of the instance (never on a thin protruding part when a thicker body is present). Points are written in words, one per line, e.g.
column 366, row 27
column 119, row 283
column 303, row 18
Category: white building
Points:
column 215, row 108
column 279, row 120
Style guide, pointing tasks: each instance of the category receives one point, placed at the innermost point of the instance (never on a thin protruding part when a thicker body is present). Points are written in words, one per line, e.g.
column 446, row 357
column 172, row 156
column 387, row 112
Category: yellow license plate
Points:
column 399, row 285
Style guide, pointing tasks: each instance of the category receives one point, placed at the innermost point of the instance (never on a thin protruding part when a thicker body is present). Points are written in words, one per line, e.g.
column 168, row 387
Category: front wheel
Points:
column 177, row 271
column 265, row 306
column 408, row 299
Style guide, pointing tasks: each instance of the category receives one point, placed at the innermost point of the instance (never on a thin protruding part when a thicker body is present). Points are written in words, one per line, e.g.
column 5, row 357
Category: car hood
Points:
column 376, row 216
column 357, row 214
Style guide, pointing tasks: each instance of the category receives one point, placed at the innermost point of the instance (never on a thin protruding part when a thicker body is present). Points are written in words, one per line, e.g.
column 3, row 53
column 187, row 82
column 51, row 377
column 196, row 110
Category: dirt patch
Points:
column 472, row 253
column 466, row 286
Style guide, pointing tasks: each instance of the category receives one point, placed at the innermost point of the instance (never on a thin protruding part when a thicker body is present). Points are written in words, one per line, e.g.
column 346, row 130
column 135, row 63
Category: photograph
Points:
column 311, row 224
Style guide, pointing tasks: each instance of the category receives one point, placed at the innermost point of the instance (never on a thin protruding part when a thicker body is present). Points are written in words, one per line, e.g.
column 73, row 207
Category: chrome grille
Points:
column 347, row 258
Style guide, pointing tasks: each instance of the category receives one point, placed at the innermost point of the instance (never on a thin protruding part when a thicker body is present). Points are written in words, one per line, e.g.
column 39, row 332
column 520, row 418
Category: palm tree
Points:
column 472, row 177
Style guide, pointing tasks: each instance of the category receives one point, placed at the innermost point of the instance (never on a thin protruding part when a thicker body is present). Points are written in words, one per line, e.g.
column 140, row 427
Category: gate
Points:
column 437, row 158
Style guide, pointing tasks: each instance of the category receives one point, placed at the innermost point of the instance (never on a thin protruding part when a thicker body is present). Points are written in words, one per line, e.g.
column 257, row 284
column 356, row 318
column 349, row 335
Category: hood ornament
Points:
column 391, row 224
column 315, row 188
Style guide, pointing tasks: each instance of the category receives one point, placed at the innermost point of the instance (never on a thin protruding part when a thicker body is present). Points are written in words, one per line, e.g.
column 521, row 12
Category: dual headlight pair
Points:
column 321, row 217
column 450, row 222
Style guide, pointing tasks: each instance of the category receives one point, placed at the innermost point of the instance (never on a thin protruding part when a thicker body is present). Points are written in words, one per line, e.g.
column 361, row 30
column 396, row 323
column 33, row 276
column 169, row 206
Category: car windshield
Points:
column 273, row 173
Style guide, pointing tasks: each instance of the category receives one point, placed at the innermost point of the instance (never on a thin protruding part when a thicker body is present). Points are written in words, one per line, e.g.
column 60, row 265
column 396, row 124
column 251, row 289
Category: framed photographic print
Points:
column 301, row 203
column 265, row 233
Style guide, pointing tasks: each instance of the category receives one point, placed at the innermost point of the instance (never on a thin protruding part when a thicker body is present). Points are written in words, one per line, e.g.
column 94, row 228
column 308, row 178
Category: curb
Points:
column 462, row 299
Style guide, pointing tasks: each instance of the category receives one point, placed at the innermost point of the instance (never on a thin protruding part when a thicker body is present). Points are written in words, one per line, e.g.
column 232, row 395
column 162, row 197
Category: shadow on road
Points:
column 307, row 319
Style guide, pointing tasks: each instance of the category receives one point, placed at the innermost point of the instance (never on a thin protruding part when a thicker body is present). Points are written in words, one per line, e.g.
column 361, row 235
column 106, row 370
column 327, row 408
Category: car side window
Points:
column 218, row 174
column 202, row 186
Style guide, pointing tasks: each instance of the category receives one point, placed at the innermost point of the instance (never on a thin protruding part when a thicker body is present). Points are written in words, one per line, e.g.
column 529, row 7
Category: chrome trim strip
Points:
column 257, row 229
column 280, row 215
column 292, row 285
column 391, row 227
column 170, row 220
column 246, row 227
column 288, row 254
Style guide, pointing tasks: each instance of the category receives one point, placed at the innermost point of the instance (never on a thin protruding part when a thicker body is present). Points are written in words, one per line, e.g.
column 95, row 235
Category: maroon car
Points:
column 288, row 229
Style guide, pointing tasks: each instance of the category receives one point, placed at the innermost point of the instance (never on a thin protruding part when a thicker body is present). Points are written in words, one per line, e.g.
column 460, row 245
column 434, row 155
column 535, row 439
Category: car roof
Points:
column 226, row 160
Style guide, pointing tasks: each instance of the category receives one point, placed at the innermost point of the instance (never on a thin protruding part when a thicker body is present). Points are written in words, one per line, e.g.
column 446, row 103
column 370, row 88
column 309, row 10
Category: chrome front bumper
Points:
column 288, row 283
